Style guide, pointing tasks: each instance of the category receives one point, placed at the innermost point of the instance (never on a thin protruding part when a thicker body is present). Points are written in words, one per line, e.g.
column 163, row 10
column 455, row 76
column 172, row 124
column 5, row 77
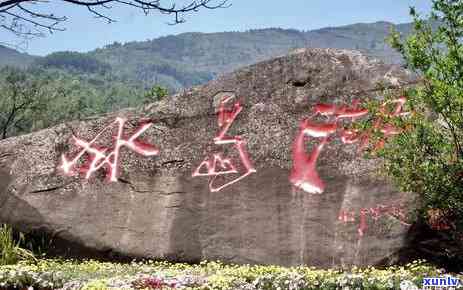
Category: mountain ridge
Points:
column 192, row 58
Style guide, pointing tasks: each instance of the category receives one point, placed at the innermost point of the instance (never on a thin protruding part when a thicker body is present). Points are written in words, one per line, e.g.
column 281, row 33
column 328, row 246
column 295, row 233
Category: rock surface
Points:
column 158, row 210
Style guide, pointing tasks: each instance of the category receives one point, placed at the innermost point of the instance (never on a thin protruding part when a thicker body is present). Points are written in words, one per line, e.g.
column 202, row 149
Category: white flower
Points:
column 408, row 285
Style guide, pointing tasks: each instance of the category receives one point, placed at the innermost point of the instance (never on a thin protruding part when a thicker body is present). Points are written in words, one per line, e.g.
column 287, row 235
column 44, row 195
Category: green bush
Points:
column 428, row 158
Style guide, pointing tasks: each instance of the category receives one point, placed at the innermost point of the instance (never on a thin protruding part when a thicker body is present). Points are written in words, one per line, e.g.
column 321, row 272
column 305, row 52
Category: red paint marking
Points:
column 225, row 120
column 100, row 157
column 363, row 222
column 304, row 173
column 351, row 136
column 225, row 164
column 388, row 130
column 325, row 109
column 398, row 108
column 375, row 213
column 438, row 220
column 217, row 165
column 350, row 112
column 440, row 226
column 345, row 216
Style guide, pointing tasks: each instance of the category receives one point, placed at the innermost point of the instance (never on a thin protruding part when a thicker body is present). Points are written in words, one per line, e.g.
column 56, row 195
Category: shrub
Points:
column 10, row 251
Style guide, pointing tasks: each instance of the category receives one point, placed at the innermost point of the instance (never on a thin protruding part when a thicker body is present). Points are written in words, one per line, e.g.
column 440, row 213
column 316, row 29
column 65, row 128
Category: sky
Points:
column 84, row 32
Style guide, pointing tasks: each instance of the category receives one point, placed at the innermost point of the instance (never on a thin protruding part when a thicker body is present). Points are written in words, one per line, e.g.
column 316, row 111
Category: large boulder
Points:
column 157, row 209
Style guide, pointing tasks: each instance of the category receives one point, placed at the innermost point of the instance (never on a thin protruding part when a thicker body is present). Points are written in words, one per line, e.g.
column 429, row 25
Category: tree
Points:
column 156, row 93
column 19, row 97
column 26, row 18
column 38, row 98
column 427, row 158
column 74, row 61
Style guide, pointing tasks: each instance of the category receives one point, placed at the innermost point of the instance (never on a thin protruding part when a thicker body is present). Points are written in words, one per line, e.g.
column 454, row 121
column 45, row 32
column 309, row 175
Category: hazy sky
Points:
column 84, row 32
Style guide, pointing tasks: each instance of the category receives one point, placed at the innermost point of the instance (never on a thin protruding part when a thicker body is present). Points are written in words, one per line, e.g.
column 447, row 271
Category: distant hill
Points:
column 368, row 38
column 13, row 57
column 214, row 53
column 194, row 58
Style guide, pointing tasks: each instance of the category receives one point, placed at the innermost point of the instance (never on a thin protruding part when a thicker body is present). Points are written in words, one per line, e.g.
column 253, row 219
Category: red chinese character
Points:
column 352, row 111
column 217, row 165
column 304, row 173
column 438, row 220
column 99, row 156
column 351, row 136
column 375, row 212
column 363, row 222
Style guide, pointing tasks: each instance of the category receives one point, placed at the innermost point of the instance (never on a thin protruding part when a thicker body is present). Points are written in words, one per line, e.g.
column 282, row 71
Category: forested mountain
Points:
column 11, row 57
column 193, row 58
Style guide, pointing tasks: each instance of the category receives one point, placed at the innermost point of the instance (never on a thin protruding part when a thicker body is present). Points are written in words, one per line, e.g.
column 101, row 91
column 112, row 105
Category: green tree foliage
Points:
column 39, row 98
column 32, row 100
column 20, row 98
column 155, row 94
column 74, row 61
column 427, row 158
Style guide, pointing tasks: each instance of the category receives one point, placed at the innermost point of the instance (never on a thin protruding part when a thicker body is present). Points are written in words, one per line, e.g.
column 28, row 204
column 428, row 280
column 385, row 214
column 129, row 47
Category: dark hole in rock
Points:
column 300, row 83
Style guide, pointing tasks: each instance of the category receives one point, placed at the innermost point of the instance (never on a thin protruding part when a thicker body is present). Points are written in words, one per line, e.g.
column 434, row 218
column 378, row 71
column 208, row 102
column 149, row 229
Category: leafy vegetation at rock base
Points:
column 68, row 274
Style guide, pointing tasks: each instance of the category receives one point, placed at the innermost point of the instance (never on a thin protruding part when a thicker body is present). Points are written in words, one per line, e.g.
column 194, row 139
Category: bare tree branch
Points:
column 40, row 15
column 99, row 15
column 22, row 19
column 50, row 27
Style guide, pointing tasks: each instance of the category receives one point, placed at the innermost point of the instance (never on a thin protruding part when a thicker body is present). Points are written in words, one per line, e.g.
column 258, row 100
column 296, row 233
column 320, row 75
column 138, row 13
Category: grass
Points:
column 10, row 250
